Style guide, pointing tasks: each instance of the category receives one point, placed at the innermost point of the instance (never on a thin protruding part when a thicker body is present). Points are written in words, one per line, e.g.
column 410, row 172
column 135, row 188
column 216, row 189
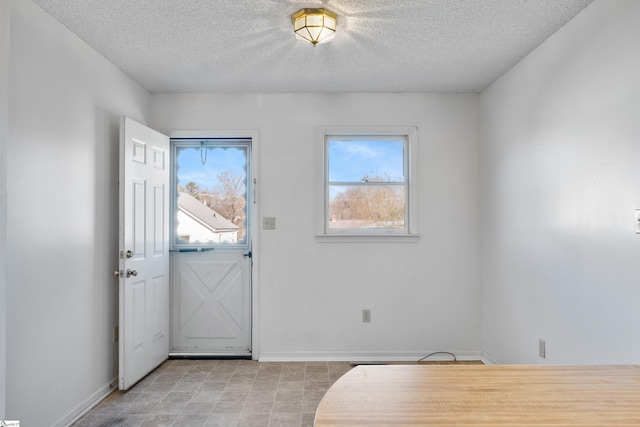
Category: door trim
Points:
column 255, row 235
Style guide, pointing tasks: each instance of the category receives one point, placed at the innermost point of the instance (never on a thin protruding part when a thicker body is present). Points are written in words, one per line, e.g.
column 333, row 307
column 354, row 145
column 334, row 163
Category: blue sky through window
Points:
column 217, row 160
column 350, row 161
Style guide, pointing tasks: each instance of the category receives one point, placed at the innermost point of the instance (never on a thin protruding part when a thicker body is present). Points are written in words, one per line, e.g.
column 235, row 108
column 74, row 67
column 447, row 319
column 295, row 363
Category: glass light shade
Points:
column 314, row 25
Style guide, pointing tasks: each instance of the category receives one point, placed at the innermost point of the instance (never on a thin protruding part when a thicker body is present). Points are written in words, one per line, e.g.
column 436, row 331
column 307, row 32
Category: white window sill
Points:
column 369, row 238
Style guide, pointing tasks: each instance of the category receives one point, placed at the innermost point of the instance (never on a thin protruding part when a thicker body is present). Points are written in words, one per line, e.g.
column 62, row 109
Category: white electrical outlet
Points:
column 366, row 315
column 542, row 350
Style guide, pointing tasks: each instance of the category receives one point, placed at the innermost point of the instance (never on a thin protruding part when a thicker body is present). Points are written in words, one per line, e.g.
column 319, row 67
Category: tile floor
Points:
column 226, row 393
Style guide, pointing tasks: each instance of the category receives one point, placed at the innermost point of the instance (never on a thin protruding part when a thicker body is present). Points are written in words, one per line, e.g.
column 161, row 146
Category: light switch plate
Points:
column 269, row 223
column 637, row 221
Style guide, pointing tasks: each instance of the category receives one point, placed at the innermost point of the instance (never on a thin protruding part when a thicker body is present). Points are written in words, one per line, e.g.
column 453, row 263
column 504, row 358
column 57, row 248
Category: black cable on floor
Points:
column 439, row 352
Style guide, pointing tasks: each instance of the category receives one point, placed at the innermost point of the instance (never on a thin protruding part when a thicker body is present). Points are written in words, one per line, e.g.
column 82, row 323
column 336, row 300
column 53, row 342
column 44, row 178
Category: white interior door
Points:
column 144, row 251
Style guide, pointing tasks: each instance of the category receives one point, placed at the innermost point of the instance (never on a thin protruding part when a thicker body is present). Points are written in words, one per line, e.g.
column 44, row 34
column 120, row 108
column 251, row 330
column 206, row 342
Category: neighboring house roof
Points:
column 204, row 214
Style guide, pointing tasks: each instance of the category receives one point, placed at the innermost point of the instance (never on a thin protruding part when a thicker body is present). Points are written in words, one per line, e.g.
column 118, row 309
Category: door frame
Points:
column 254, row 223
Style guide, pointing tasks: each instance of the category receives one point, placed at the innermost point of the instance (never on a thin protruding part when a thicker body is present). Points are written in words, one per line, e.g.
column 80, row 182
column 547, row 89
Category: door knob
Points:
column 132, row 273
column 116, row 273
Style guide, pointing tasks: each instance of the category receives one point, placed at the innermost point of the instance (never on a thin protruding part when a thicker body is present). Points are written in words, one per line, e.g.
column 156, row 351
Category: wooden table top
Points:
column 483, row 395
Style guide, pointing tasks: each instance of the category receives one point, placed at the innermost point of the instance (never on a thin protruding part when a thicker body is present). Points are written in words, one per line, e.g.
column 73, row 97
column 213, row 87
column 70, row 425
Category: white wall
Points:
column 560, row 164
column 423, row 296
column 65, row 102
column 4, row 134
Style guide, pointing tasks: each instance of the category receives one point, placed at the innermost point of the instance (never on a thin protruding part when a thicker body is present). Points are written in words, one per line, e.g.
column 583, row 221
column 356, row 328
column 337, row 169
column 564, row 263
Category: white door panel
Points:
column 211, row 303
column 144, row 251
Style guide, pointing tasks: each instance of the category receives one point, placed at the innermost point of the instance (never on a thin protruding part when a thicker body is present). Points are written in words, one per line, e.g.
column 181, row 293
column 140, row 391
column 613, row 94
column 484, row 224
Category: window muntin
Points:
column 210, row 193
column 367, row 184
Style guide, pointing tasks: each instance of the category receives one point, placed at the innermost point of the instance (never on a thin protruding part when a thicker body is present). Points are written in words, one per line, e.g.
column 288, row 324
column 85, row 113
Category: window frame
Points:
column 410, row 232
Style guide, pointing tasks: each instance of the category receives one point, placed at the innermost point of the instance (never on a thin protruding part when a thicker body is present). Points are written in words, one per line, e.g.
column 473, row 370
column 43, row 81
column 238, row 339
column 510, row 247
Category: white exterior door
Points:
column 144, row 251
column 211, row 246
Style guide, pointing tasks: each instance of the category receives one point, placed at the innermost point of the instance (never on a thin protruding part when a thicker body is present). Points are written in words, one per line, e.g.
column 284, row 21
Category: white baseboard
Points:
column 365, row 356
column 488, row 359
column 89, row 403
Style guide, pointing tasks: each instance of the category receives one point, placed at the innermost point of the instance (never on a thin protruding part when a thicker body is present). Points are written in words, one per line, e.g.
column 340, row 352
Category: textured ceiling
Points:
column 247, row 46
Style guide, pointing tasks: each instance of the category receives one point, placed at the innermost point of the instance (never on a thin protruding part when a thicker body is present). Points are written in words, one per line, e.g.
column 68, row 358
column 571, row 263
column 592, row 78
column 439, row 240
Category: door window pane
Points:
column 210, row 192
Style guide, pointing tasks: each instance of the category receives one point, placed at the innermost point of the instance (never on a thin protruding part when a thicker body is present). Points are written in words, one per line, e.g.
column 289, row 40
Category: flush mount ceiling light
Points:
column 314, row 25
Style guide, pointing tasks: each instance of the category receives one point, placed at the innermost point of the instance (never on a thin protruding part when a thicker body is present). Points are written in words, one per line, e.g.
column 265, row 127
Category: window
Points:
column 210, row 193
column 369, row 184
